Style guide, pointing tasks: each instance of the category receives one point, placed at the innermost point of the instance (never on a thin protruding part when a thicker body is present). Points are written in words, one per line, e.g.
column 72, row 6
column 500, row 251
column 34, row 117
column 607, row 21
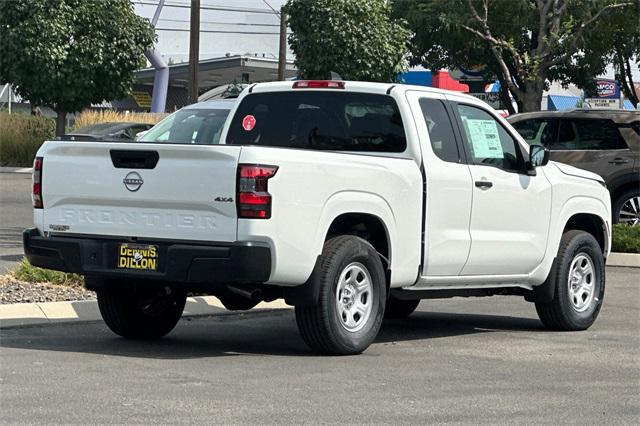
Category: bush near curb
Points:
column 625, row 239
column 20, row 137
column 32, row 274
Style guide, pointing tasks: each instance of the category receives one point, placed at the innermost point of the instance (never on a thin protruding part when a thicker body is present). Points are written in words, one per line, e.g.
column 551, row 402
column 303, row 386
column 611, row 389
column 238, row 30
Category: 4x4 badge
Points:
column 224, row 199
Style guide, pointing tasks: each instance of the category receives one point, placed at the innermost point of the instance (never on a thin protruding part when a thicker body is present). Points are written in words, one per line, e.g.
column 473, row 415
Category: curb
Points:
column 24, row 170
column 20, row 314
column 629, row 260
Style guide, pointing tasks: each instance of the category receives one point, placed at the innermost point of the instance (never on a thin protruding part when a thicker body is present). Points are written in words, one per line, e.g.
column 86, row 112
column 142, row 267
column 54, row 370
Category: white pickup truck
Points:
column 350, row 200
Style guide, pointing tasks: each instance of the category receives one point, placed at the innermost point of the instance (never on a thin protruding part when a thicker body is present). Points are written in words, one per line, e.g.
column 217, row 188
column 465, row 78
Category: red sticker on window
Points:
column 248, row 122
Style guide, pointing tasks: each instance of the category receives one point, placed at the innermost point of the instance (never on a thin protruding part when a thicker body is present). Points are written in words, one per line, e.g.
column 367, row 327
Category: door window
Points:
column 588, row 134
column 440, row 130
column 538, row 131
column 488, row 142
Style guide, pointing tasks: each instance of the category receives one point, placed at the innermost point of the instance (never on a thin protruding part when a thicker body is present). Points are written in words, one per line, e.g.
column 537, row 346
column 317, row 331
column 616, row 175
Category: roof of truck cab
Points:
column 357, row 86
column 213, row 104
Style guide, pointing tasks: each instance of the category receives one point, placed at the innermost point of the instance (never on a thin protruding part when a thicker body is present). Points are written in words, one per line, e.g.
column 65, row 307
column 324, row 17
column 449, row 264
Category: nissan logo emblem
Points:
column 132, row 181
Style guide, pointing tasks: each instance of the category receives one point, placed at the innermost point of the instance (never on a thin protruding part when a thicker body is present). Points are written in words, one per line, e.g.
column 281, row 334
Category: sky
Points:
column 243, row 27
column 240, row 18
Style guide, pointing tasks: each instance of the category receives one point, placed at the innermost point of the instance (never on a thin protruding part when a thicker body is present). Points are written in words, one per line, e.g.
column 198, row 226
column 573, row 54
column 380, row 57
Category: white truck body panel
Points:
column 85, row 193
column 505, row 236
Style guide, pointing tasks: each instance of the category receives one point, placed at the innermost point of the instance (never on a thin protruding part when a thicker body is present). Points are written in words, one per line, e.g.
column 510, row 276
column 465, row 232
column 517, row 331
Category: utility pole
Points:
column 194, row 50
column 282, row 54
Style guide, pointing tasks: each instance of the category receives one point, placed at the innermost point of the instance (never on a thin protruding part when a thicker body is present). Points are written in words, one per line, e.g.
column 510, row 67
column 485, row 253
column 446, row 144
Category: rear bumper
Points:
column 243, row 262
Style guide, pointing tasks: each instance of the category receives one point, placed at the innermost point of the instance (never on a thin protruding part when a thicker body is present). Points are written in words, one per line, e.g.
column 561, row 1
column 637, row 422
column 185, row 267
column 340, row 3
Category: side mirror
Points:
column 538, row 156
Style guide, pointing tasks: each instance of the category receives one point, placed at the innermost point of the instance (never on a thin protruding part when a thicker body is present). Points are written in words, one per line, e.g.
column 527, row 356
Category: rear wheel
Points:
column 397, row 308
column 626, row 209
column 141, row 313
column 347, row 317
column 579, row 277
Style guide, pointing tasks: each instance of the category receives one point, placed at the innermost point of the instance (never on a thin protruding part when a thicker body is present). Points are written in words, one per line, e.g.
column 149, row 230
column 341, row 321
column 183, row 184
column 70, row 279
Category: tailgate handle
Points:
column 129, row 159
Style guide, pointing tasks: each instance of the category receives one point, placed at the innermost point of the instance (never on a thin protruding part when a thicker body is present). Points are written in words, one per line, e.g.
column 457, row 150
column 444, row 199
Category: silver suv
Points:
column 606, row 142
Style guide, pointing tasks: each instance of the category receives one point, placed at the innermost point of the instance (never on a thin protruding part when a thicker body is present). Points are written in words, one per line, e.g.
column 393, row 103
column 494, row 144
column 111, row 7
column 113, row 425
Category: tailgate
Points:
column 119, row 189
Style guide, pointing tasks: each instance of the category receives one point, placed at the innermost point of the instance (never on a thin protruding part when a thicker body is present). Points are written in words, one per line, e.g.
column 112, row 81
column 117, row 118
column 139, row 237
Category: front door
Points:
column 511, row 210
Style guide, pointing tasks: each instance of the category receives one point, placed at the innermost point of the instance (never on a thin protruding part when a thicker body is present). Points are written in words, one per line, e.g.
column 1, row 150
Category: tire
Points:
column 349, row 268
column 626, row 209
column 140, row 313
column 398, row 309
column 573, row 310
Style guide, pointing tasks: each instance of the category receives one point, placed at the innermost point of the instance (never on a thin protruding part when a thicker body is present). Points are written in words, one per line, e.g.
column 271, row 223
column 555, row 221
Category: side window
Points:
column 538, row 131
column 588, row 134
column 488, row 142
column 441, row 133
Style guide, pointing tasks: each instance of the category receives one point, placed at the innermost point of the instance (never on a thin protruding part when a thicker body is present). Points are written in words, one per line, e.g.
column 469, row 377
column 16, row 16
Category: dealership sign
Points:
column 607, row 89
column 605, row 95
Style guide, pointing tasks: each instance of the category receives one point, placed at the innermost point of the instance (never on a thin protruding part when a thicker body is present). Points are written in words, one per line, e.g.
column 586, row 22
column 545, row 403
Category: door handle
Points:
column 484, row 184
column 618, row 161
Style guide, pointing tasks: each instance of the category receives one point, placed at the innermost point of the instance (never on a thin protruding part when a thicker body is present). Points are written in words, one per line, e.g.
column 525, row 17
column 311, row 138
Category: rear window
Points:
column 319, row 120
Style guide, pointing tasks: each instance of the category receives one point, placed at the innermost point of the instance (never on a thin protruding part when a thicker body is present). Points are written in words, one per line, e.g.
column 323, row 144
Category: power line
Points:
column 220, row 23
column 274, row 11
column 219, row 8
column 186, row 30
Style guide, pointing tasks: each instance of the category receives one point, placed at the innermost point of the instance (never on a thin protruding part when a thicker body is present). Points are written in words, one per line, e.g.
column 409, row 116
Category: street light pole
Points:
column 194, row 50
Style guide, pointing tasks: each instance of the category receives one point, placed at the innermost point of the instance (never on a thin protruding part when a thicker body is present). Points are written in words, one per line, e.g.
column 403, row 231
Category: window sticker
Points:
column 248, row 122
column 484, row 137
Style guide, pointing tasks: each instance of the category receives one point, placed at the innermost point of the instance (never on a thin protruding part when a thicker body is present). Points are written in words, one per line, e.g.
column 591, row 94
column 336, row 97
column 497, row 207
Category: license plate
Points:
column 142, row 257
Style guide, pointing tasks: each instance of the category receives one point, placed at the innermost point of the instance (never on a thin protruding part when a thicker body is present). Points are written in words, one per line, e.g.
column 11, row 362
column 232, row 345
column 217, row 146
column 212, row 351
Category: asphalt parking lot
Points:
column 461, row 360
column 16, row 214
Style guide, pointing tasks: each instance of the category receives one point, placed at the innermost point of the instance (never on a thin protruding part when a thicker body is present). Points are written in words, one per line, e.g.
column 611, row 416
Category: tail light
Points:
column 253, row 200
column 36, row 192
column 318, row 84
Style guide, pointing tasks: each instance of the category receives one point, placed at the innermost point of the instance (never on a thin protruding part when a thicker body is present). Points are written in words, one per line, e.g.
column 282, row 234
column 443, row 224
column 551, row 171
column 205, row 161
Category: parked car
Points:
column 606, row 142
column 350, row 200
column 200, row 124
column 107, row 131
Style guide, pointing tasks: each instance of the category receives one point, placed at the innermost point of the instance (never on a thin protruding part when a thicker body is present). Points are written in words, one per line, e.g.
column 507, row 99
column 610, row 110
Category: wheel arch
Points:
column 588, row 214
column 622, row 184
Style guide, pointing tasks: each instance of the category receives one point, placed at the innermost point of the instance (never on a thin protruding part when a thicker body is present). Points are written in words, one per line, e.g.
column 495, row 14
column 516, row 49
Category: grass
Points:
column 20, row 137
column 93, row 117
column 32, row 274
column 626, row 239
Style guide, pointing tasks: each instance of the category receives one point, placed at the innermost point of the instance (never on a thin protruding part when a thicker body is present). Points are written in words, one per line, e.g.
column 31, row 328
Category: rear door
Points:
column 150, row 191
column 448, row 186
column 593, row 144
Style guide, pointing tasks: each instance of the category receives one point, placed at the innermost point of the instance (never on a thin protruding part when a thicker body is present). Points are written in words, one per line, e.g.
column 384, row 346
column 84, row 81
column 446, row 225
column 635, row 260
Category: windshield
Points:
column 189, row 126
column 320, row 120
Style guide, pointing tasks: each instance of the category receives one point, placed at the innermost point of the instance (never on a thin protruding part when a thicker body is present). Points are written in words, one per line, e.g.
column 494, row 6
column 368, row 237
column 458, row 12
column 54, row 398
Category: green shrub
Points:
column 29, row 273
column 20, row 137
column 626, row 239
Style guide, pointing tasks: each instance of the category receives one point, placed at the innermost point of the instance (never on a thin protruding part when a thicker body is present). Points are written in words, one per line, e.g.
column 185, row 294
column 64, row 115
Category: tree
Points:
column 354, row 38
column 68, row 54
column 526, row 43
column 619, row 38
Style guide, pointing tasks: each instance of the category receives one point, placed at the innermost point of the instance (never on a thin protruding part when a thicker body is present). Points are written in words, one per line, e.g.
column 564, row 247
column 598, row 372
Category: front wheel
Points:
column 579, row 277
column 141, row 313
column 626, row 208
column 347, row 316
